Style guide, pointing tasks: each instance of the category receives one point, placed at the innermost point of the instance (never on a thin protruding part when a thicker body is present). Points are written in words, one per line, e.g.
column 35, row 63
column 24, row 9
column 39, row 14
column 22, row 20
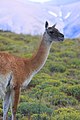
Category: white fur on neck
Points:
column 47, row 39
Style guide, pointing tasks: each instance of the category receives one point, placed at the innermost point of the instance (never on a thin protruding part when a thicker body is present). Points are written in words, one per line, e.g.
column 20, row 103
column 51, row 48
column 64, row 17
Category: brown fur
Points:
column 22, row 68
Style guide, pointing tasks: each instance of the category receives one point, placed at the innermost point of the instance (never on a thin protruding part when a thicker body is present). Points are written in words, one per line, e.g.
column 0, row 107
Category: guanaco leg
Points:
column 14, row 101
column 6, row 105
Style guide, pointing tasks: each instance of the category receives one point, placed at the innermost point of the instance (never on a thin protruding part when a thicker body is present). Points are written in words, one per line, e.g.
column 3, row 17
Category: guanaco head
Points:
column 53, row 33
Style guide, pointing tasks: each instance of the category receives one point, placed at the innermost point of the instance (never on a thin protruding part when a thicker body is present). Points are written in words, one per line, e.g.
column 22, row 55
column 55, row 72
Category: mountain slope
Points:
column 54, row 93
column 30, row 17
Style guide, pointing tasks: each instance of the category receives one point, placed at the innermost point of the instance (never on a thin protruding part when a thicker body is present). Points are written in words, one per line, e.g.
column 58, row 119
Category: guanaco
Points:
column 16, row 72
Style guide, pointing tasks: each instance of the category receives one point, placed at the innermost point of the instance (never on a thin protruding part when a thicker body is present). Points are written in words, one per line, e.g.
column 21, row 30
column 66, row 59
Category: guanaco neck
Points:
column 40, row 58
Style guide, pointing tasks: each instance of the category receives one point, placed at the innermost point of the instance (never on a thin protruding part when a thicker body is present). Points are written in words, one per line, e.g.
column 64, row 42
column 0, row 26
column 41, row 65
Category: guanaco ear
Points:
column 46, row 25
column 54, row 25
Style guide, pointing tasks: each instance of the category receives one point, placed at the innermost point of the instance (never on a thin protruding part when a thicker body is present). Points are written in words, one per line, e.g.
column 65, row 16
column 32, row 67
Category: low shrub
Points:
column 66, row 114
column 63, row 100
column 40, row 117
column 26, row 108
column 57, row 67
column 72, row 90
column 39, row 78
column 75, row 63
column 71, row 81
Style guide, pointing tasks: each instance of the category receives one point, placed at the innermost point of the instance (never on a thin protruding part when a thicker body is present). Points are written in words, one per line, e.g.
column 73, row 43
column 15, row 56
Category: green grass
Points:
column 56, row 87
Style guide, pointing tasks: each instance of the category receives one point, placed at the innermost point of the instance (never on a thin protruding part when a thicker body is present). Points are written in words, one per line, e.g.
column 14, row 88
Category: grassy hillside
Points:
column 54, row 93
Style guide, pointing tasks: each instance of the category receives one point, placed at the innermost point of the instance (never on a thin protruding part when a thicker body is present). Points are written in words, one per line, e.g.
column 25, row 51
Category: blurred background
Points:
column 29, row 16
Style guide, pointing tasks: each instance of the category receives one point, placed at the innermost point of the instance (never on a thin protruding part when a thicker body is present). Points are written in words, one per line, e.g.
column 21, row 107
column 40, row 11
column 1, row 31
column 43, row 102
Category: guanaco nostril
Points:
column 62, row 35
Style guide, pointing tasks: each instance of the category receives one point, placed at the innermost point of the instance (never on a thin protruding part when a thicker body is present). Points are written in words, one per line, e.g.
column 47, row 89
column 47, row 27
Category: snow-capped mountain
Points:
column 29, row 17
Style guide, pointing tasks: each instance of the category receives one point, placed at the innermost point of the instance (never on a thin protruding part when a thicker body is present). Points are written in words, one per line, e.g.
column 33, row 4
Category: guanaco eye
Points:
column 51, row 32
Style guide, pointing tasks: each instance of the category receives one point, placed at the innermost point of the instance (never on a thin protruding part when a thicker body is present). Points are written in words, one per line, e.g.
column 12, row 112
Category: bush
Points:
column 68, row 53
column 40, row 117
column 57, row 67
column 63, row 100
column 26, row 98
column 26, row 108
column 72, row 90
column 44, row 91
column 75, row 63
column 39, row 78
column 49, row 83
column 55, row 83
column 71, row 81
column 66, row 114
